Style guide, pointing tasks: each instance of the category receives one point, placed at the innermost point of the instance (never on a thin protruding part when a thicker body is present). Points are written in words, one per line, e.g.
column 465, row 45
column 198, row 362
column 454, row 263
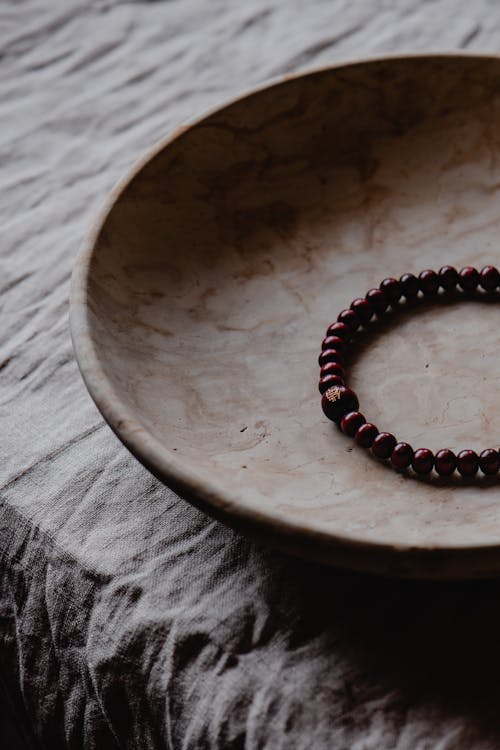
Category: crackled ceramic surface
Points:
column 201, row 298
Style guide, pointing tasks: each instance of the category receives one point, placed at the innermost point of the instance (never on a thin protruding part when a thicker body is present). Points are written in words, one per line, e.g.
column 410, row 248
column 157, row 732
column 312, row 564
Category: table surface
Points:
column 127, row 617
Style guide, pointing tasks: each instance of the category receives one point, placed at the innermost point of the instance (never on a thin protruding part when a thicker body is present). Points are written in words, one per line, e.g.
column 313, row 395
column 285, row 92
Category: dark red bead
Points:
column 350, row 318
column 409, row 285
column 489, row 461
column 423, row 461
column 429, row 282
column 383, row 445
column 363, row 309
column 341, row 330
column 402, row 455
column 489, row 278
column 332, row 368
column 366, row 435
column 351, row 422
column 327, row 381
column 392, row 290
column 330, row 355
column 333, row 342
column 468, row 278
column 445, row 462
column 467, row 463
column 377, row 300
column 337, row 401
column 448, row 278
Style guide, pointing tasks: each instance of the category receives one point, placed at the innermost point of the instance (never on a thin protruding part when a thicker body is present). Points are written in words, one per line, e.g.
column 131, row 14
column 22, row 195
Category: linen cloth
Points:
column 129, row 619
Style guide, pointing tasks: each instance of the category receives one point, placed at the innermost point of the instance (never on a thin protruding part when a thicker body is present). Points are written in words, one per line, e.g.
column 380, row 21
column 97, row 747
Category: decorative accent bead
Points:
column 366, row 435
column 429, row 282
column 392, row 290
column 333, row 342
column 402, row 455
column 330, row 355
column 337, row 401
column 328, row 381
column 332, row 368
column 363, row 310
column 489, row 278
column 468, row 278
column 341, row 330
column 445, row 462
column 350, row 318
column 448, row 278
column 383, row 445
column 423, row 461
column 409, row 285
column 467, row 463
column 351, row 422
column 489, row 461
column 377, row 300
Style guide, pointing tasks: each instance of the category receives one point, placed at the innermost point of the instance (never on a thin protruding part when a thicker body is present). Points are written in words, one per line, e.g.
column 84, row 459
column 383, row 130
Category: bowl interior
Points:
column 212, row 279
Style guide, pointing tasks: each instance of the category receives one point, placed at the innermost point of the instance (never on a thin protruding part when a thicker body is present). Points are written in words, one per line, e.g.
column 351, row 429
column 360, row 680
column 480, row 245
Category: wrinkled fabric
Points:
column 129, row 619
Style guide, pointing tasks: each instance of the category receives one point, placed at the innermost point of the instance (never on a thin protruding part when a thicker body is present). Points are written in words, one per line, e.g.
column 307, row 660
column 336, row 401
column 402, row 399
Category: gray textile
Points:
column 127, row 618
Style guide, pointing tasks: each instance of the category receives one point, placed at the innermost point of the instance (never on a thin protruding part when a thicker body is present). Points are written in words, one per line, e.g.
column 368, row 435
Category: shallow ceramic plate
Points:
column 200, row 299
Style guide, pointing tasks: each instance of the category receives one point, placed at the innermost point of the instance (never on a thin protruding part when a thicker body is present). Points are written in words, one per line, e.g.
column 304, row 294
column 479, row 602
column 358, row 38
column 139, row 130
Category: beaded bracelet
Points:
column 340, row 403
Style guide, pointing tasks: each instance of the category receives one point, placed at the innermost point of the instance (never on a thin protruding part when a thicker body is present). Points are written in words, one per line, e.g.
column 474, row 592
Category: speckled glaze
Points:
column 200, row 299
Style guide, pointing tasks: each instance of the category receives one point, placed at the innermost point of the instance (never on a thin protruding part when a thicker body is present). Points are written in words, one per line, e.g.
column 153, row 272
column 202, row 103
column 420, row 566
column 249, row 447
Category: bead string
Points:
column 340, row 403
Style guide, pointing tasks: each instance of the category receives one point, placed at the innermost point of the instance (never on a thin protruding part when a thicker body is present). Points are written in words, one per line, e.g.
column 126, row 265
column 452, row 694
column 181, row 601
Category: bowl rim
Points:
column 287, row 534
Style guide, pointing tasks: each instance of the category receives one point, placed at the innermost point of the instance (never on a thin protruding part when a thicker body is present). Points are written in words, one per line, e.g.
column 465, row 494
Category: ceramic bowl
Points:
column 201, row 296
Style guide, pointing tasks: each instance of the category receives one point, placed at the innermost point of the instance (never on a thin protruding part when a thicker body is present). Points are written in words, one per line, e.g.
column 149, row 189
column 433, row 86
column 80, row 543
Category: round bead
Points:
column 366, row 434
column 341, row 330
column 489, row 461
column 351, row 423
column 363, row 310
column 383, row 445
column 350, row 318
column 468, row 278
column 392, row 290
column 402, row 455
column 445, row 462
column 429, row 282
column 423, row 461
column 467, row 463
column 377, row 300
column 409, row 285
column 489, row 278
column 330, row 355
column 327, row 381
column 448, row 278
column 332, row 368
column 337, row 401
column 333, row 342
